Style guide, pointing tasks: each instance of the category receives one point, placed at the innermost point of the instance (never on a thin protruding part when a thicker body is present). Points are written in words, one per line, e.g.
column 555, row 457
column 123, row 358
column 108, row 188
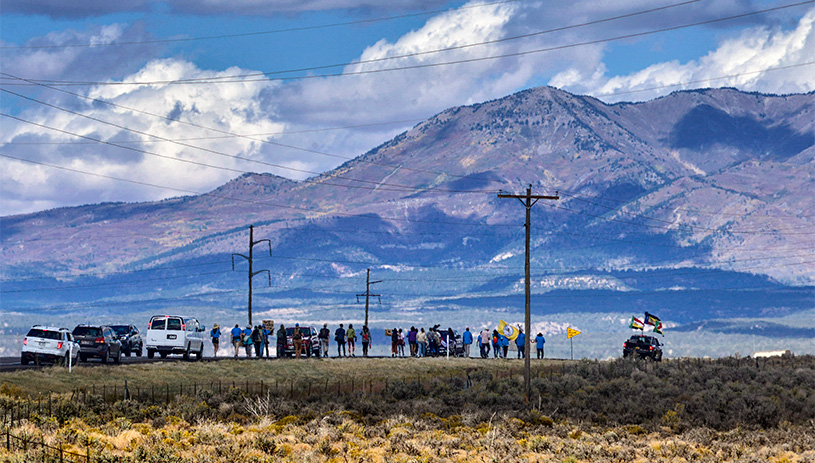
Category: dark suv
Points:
column 643, row 347
column 130, row 338
column 98, row 341
column 311, row 345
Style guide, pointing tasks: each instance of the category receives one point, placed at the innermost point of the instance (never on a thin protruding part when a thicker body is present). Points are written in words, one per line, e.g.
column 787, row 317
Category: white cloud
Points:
column 754, row 49
column 235, row 108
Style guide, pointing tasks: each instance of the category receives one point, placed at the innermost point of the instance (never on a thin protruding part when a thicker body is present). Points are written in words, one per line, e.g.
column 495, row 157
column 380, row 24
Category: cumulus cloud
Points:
column 51, row 57
column 234, row 109
column 772, row 51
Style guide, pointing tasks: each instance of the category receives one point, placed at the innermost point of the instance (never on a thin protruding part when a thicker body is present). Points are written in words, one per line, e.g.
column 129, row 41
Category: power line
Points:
column 210, row 80
column 253, row 34
column 249, row 201
column 318, row 181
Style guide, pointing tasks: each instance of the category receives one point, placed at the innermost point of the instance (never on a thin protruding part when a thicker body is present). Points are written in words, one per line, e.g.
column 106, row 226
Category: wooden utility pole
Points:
column 250, row 259
column 527, row 201
column 368, row 294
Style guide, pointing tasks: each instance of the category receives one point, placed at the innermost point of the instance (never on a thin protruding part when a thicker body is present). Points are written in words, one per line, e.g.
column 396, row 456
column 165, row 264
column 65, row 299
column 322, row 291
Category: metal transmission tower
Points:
column 527, row 201
column 252, row 244
column 368, row 294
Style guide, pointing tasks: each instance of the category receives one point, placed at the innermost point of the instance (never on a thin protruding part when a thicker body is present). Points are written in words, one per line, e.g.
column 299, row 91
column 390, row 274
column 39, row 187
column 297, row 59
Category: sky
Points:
column 100, row 99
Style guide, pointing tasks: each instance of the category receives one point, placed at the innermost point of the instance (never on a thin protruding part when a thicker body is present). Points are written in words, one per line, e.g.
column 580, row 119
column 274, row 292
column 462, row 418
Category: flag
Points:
column 508, row 330
column 636, row 324
column 570, row 333
column 658, row 328
column 651, row 319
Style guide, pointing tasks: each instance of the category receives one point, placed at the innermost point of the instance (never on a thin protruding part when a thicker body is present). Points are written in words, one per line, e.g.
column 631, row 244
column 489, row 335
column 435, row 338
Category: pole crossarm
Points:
column 250, row 260
column 527, row 201
column 368, row 294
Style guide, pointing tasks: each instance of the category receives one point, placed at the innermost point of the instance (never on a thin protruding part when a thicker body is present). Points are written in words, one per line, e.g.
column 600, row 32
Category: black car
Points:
column 643, row 347
column 130, row 338
column 98, row 341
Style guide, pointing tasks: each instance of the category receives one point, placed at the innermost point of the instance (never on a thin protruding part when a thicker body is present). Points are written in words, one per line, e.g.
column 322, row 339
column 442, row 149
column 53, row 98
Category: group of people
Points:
column 421, row 343
column 250, row 339
column 500, row 343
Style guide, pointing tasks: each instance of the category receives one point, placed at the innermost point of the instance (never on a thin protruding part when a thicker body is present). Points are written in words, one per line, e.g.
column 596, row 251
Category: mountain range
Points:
column 698, row 204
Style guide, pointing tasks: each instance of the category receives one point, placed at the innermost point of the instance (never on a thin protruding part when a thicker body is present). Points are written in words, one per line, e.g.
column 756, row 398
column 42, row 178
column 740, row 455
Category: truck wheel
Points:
column 150, row 353
column 187, row 353
column 118, row 359
column 105, row 356
column 23, row 360
column 83, row 357
column 200, row 353
column 139, row 351
column 163, row 354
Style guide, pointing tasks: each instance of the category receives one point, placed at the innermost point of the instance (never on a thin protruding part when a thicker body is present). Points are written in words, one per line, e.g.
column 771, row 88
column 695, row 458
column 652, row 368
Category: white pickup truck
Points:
column 174, row 334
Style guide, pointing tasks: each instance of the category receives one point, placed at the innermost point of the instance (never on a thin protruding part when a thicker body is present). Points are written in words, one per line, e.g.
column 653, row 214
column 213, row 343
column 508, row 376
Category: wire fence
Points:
column 44, row 452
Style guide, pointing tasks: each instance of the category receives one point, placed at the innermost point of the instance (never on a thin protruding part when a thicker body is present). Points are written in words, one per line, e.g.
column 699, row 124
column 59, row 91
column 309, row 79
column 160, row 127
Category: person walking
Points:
column 496, row 344
column 297, row 340
column 236, row 334
column 539, row 342
column 366, row 340
column 394, row 342
column 323, row 337
column 401, row 343
column 247, row 340
column 520, row 343
column 411, row 337
column 215, row 335
column 257, row 340
column 484, row 339
column 281, row 342
column 504, row 345
column 467, row 339
column 351, row 339
column 339, row 336
column 421, row 341
column 266, row 333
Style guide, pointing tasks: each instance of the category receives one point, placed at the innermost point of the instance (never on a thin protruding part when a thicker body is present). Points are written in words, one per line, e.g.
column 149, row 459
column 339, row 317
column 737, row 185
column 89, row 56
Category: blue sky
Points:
column 76, row 47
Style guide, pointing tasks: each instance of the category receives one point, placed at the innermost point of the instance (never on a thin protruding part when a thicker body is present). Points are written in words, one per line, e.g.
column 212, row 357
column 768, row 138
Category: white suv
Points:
column 174, row 334
column 45, row 343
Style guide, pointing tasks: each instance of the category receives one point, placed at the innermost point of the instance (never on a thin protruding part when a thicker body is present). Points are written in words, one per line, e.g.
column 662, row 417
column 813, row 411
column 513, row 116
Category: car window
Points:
column 121, row 330
column 39, row 333
column 174, row 324
column 158, row 323
column 87, row 331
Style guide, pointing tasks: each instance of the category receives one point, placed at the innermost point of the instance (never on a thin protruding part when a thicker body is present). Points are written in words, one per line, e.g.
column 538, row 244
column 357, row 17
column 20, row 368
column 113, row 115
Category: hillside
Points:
column 685, row 202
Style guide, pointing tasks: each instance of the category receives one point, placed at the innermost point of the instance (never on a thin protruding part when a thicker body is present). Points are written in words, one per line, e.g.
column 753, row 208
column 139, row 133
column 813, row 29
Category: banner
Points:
column 636, row 324
column 508, row 330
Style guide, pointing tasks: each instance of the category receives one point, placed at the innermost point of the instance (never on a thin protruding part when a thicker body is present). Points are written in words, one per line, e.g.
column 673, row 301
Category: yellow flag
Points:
column 508, row 330
column 570, row 333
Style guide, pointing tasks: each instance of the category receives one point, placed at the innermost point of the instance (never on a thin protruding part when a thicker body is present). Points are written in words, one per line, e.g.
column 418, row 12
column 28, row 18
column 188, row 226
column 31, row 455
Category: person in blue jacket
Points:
column 496, row 344
column 236, row 334
column 504, row 345
column 520, row 343
column 467, row 339
column 539, row 342
column 247, row 340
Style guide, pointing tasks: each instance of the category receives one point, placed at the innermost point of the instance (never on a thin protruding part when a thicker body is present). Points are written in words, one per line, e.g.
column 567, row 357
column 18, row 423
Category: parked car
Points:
column 311, row 345
column 174, row 334
column 98, row 341
column 456, row 348
column 49, row 344
column 130, row 338
column 643, row 347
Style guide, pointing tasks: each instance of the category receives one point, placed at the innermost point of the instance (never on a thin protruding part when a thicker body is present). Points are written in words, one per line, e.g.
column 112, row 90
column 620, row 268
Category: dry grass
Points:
column 339, row 437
